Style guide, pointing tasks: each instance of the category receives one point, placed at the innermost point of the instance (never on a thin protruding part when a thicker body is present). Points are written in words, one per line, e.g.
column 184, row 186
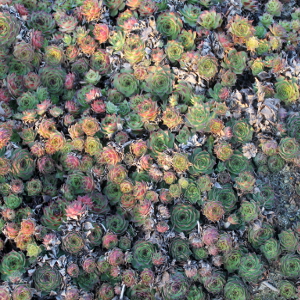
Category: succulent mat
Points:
column 149, row 150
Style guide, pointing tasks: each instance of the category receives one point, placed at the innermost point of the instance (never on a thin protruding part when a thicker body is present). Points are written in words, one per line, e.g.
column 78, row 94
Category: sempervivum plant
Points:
column 287, row 289
column 10, row 28
column 169, row 24
column 242, row 131
column 290, row 266
column 207, row 66
column 22, row 292
column 177, row 288
column 47, row 279
column 142, row 255
column 73, row 243
column 184, row 217
column 289, row 148
column 287, row 90
column 251, row 268
column 179, row 249
column 22, row 164
column 214, row 283
column 235, row 289
column 245, row 181
column 271, row 249
column 198, row 116
column 288, row 240
column 12, row 265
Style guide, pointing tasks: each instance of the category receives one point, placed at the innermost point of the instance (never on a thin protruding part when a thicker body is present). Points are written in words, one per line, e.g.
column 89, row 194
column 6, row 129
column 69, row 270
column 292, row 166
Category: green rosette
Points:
column 249, row 211
column 54, row 215
column 242, row 131
column 159, row 82
column 265, row 197
column 193, row 194
column 202, row 162
column 288, row 240
column 287, row 289
column 94, row 236
column 237, row 163
column 293, row 127
column 142, row 255
column 207, row 66
column 289, row 148
column 235, row 61
column 191, row 14
column 271, row 249
column 196, row 293
column 180, row 250
column 126, row 84
column 198, row 116
column 251, row 268
column 12, row 264
column 47, row 279
column 140, row 291
column 235, row 289
column 135, row 123
column 232, row 260
column 87, row 281
column 160, row 141
column 53, row 79
column 23, row 165
column 112, row 192
column 275, row 163
column 73, row 243
column 169, row 24
column 42, row 21
column 117, row 224
column 177, row 288
column 21, row 292
column 10, row 28
column 174, row 50
column 290, row 266
column 258, row 236
column 287, row 91
column 215, row 282
column 184, row 217
column 225, row 195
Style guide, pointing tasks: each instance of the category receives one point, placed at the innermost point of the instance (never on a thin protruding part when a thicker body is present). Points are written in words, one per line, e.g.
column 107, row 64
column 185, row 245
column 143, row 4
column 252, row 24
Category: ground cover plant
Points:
column 149, row 150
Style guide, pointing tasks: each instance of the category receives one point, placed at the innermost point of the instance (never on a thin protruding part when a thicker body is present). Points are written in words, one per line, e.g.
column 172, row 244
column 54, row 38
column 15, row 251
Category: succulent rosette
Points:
column 179, row 249
column 192, row 193
column 210, row 19
column 53, row 79
column 287, row 289
column 4, row 293
column 199, row 116
column 114, row 6
column 289, row 148
column 159, row 81
column 207, row 66
column 142, row 255
column 232, row 260
column 265, row 197
column 47, row 279
column 287, row 90
column 235, row 289
column 54, row 215
column 160, row 141
column 237, row 163
column 126, row 84
column 242, row 131
column 235, row 61
column 42, row 21
column 259, row 236
column 12, row 264
column 117, row 224
column 271, row 249
column 213, row 210
column 290, row 266
column 174, row 50
column 141, row 291
column 169, row 24
column 22, row 164
column 134, row 49
column 251, row 268
column 240, row 28
column 22, row 292
column 288, row 240
column 177, row 288
column 202, row 162
column 225, row 195
column 10, row 28
column 190, row 14
column 184, row 217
